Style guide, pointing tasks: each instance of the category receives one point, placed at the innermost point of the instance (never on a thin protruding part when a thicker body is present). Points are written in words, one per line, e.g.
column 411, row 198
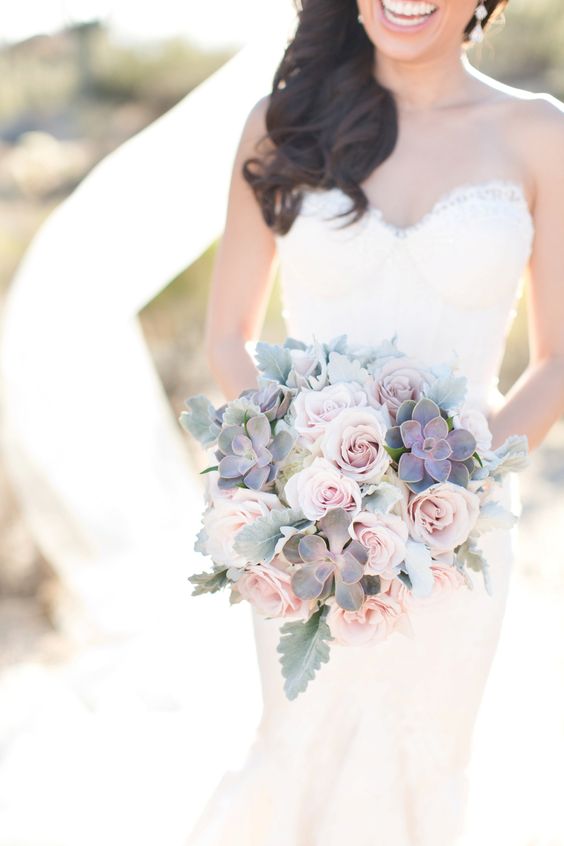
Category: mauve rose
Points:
column 477, row 424
column 384, row 536
column 267, row 587
column 398, row 380
column 315, row 409
column 354, row 443
column 442, row 516
column 230, row 512
column 379, row 616
column 319, row 488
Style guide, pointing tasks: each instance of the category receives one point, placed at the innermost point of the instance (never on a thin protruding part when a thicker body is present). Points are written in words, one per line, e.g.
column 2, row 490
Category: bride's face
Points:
column 408, row 30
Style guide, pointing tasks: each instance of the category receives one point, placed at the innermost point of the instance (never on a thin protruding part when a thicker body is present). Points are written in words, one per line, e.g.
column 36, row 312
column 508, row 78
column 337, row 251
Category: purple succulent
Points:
column 272, row 398
column 334, row 558
column 248, row 455
column 427, row 449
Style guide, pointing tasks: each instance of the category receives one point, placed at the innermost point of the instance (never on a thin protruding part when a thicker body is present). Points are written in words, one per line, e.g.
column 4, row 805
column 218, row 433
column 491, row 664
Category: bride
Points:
column 401, row 192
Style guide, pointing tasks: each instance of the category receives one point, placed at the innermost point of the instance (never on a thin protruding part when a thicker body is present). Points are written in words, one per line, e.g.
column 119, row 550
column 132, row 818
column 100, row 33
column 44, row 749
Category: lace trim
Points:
column 488, row 190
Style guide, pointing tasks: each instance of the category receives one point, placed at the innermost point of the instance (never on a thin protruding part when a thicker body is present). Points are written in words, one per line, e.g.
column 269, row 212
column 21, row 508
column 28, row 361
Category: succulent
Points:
column 331, row 560
column 272, row 399
column 248, row 454
column 427, row 449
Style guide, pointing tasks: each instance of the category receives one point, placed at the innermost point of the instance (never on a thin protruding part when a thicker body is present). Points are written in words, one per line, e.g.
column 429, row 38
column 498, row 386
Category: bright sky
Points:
column 206, row 21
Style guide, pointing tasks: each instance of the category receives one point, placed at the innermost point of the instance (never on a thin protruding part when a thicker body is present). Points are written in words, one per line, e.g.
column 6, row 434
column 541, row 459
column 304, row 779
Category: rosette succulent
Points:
column 427, row 449
column 331, row 560
column 272, row 399
column 249, row 454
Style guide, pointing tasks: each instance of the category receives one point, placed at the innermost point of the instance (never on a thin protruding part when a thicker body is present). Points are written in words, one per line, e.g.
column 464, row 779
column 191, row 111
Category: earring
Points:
column 480, row 14
column 359, row 18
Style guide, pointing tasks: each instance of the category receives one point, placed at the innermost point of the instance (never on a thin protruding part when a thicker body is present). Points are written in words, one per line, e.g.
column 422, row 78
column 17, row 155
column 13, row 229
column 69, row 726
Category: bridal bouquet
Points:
column 352, row 484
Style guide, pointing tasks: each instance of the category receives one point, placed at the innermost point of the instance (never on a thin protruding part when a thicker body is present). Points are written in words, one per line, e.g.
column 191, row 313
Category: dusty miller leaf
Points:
column 257, row 541
column 303, row 647
column 274, row 361
column 209, row 582
column 199, row 420
column 448, row 391
column 469, row 555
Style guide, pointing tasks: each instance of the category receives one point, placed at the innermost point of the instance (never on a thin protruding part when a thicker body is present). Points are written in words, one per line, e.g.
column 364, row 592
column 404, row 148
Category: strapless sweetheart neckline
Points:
column 508, row 188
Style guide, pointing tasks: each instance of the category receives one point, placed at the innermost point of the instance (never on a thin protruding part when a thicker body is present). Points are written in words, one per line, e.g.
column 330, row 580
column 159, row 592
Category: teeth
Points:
column 406, row 7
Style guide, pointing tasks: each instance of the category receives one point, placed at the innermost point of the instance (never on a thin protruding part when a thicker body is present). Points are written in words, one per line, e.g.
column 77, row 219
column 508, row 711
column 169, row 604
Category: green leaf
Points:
column 257, row 541
column 303, row 647
column 209, row 582
column 209, row 470
column 274, row 361
column 394, row 453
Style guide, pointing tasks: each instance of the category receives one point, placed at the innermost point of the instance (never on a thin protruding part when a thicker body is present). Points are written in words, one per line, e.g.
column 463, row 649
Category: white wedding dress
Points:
column 375, row 752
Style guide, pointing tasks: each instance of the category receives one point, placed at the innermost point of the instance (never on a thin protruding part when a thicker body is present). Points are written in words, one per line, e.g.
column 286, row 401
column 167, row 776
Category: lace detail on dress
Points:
column 488, row 191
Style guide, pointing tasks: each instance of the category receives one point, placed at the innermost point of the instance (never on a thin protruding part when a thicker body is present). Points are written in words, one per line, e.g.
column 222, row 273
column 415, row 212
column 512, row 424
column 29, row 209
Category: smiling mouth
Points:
column 407, row 13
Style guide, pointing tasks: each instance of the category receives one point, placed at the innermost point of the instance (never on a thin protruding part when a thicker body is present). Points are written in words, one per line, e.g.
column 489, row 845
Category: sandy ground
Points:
column 121, row 741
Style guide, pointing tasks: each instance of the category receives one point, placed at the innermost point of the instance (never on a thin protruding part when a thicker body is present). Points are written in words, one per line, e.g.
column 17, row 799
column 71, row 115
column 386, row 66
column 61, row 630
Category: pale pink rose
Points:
column 315, row 409
column 319, row 488
column 477, row 424
column 229, row 513
column 399, row 379
column 354, row 443
column 447, row 579
column 442, row 516
column 378, row 617
column 384, row 536
column 268, row 588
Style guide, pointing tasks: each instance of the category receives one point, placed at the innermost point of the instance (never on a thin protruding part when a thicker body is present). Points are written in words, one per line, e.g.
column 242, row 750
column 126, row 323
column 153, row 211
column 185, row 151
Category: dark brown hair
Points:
column 329, row 121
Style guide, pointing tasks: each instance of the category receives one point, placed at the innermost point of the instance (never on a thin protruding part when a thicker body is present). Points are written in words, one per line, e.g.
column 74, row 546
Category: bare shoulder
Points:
column 254, row 130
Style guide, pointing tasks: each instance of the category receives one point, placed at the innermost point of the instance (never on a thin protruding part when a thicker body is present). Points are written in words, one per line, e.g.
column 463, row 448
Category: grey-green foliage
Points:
column 303, row 647
column 200, row 420
column 257, row 541
column 469, row 555
column 209, row 582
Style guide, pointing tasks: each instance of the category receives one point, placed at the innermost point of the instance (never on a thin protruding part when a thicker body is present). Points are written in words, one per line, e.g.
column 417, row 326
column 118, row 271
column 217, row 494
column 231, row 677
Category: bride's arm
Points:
column 536, row 400
column 242, row 275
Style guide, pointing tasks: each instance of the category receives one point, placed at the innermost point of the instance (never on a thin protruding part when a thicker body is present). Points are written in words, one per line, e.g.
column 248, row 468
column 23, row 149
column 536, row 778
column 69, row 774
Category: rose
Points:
column 354, row 443
column 447, row 578
column 320, row 487
column 442, row 516
column 398, row 380
column 227, row 515
column 315, row 409
column 384, row 536
column 379, row 615
column 477, row 424
column 267, row 587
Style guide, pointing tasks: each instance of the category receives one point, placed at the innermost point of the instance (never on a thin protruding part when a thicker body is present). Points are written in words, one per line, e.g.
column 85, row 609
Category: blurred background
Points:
column 77, row 79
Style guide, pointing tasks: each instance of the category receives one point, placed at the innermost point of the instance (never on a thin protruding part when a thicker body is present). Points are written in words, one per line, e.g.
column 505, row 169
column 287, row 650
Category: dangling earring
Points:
column 480, row 14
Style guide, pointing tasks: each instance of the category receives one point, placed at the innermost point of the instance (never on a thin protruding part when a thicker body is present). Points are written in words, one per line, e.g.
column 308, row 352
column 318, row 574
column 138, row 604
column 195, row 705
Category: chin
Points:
column 404, row 29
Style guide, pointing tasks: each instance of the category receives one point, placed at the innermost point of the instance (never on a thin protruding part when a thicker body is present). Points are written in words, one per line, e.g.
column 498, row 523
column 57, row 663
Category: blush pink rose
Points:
column 268, row 588
column 447, row 579
column 315, row 409
column 384, row 536
column 379, row 616
column 442, row 516
column 399, row 379
column 228, row 514
column 477, row 424
column 319, row 488
column 354, row 443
